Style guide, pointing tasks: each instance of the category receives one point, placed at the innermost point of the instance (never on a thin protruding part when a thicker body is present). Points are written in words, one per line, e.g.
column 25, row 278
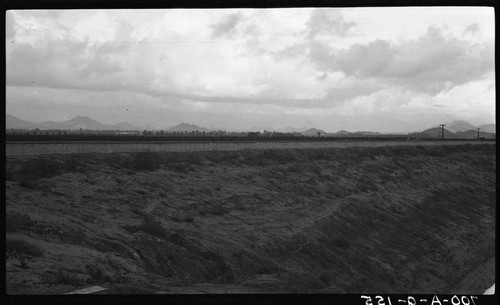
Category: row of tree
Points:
column 150, row 133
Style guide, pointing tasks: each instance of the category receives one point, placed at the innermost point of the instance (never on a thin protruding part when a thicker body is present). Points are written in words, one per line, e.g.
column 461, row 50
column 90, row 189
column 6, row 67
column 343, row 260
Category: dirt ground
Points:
column 352, row 220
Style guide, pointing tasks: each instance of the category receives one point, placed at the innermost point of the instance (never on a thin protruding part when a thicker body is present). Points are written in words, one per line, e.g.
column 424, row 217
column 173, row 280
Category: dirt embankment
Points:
column 354, row 220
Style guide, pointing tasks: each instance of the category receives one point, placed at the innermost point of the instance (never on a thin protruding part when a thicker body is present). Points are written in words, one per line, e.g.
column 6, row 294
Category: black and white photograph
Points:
column 306, row 150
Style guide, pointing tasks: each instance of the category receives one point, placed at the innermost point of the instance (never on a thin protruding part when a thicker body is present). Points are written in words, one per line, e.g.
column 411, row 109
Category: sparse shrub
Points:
column 218, row 210
column 175, row 218
column 399, row 163
column 279, row 156
column 105, row 245
column 17, row 221
column 177, row 238
column 304, row 190
column 140, row 192
column 213, row 156
column 180, row 167
column 294, row 168
column 216, row 268
column 18, row 247
column 152, row 226
column 131, row 229
column 194, row 158
column 320, row 154
column 62, row 278
column 118, row 160
column 341, row 242
column 71, row 165
column 74, row 236
column 327, row 277
column 97, row 273
column 148, row 161
column 188, row 219
column 29, row 183
column 40, row 168
column 129, row 289
column 315, row 169
column 136, row 211
column 57, row 193
column 310, row 283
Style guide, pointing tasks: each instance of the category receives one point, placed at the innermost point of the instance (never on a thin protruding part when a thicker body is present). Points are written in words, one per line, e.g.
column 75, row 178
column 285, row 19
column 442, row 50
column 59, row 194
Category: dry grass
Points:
column 391, row 219
column 15, row 248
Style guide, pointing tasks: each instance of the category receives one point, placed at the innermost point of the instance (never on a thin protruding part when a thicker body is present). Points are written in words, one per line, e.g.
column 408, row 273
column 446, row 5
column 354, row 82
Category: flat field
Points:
column 415, row 219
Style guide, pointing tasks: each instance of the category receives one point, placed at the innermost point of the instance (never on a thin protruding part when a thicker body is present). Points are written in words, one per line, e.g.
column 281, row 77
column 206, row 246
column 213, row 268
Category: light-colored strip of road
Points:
column 43, row 148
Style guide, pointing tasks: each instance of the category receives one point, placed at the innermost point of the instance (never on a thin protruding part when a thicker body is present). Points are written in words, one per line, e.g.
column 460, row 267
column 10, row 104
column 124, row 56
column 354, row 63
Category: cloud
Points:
column 262, row 64
column 227, row 26
column 328, row 22
column 471, row 29
column 322, row 77
column 430, row 64
column 350, row 88
column 364, row 59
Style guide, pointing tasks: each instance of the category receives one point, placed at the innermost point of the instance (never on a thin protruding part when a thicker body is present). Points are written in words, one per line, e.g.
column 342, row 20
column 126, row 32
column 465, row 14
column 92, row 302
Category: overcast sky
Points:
column 379, row 69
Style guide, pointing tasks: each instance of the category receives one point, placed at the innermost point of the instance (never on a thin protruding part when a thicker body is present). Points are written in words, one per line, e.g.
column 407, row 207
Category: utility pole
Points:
column 478, row 133
column 442, row 130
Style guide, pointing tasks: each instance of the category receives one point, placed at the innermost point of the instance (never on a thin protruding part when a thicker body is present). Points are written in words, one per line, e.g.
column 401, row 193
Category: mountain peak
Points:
column 187, row 127
column 82, row 118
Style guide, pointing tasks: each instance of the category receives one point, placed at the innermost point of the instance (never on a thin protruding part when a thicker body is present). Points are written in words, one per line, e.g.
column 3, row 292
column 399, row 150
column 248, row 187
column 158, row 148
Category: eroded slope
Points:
column 393, row 220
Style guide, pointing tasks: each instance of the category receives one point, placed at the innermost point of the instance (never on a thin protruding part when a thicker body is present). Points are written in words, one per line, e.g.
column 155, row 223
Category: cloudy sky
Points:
column 379, row 69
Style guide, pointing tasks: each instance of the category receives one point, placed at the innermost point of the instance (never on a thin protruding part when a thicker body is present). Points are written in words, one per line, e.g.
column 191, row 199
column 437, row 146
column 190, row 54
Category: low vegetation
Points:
column 353, row 220
column 16, row 248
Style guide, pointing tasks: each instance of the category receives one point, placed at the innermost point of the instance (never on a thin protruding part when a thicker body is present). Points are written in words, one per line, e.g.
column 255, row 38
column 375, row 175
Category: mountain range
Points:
column 455, row 126
column 460, row 132
column 452, row 129
column 78, row 122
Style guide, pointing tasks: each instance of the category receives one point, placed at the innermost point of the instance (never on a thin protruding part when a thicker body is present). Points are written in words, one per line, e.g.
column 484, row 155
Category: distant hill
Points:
column 259, row 128
column 292, row 130
column 342, row 133
column 472, row 134
column 182, row 127
column 458, row 129
column 78, row 122
column 313, row 132
column 13, row 122
column 125, row 126
column 434, row 132
column 455, row 126
column 488, row 128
